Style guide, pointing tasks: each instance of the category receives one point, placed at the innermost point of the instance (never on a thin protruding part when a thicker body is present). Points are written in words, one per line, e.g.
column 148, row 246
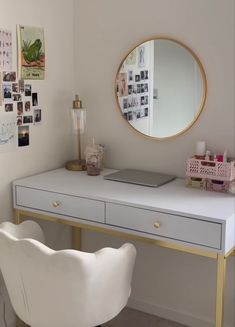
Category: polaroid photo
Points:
column 23, row 136
column 142, row 88
column 141, row 56
column 142, row 75
column 138, row 114
column 125, row 103
column 37, row 116
column 21, row 86
column 136, row 102
column 15, row 87
column 28, row 90
column 27, row 119
column 130, row 102
column 19, row 108
column 134, row 89
column 27, row 106
column 141, row 112
column 16, row 97
column 122, row 85
column 8, row 107
column 142, row 101
column 7, row 91
column 130, row 76
column 9, row 76
column 19, row 120
column 130, row 115
column 34, row 99
column 130, row 89
column 137, row 78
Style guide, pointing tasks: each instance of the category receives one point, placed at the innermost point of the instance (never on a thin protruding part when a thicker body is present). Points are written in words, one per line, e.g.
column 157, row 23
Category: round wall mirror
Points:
column 161, row 88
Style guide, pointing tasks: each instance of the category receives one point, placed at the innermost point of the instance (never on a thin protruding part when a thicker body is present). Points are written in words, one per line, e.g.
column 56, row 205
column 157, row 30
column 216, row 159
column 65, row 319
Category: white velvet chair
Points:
column 66, row 288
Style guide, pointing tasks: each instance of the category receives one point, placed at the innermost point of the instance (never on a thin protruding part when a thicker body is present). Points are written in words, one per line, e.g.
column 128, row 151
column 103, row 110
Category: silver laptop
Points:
column 139, row 177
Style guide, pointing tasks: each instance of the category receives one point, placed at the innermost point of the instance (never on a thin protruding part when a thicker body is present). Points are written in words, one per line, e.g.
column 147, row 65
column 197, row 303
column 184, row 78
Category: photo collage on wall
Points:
column 19, row 103
column 133, row 87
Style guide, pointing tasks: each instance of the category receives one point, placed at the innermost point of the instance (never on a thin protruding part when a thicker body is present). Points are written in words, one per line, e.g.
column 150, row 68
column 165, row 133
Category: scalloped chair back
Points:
column 69, row 288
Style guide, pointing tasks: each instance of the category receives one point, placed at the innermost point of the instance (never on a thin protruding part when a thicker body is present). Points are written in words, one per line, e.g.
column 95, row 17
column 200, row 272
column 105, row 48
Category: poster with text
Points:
column 31, row 52
column 5, row 50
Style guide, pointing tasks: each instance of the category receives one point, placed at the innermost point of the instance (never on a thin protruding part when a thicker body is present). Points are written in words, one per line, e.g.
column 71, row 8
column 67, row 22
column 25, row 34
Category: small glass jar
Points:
column 94, row 163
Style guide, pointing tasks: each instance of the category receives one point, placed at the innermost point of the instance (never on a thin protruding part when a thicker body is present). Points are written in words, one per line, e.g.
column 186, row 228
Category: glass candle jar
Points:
column 94, row 163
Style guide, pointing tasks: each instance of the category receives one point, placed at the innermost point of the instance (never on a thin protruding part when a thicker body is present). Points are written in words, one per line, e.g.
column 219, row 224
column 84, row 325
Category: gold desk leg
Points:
column 221, row 274
column 76, row 238
column 17, row 217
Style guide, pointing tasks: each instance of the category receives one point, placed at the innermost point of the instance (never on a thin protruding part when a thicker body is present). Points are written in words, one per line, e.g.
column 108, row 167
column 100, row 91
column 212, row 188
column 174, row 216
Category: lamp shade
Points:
column 78, row 122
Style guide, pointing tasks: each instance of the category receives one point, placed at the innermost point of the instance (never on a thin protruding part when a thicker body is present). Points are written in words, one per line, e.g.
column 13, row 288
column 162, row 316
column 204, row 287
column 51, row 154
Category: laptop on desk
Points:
column 139, row 177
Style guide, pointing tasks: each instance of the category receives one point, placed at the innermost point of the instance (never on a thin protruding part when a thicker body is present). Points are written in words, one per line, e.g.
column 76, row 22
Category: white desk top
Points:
column 174, row 197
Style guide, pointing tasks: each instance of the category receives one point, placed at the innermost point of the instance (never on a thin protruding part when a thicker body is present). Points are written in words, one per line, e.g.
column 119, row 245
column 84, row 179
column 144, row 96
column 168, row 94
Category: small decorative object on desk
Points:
column 211, row 172
column 94, row 158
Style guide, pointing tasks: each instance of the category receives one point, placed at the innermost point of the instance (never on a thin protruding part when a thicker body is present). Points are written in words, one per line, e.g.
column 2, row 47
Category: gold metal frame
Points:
column 77, row 227
column 203, row 101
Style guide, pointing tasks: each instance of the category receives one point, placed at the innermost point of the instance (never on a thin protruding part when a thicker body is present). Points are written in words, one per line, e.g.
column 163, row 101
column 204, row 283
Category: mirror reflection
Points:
column 161, row 88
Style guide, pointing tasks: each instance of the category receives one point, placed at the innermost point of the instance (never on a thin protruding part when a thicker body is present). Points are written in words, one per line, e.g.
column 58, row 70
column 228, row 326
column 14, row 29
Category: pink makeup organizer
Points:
column 210, row 175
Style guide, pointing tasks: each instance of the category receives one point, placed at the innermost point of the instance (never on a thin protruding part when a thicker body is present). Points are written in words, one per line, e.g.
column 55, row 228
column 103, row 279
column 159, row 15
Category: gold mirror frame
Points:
column 204, row 81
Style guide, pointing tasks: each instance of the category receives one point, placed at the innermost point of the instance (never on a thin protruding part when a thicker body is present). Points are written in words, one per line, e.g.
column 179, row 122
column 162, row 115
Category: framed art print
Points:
column 31, row 53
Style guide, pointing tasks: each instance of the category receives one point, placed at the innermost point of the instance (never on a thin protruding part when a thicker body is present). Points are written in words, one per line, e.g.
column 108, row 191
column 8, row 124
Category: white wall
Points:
column 175, row 285
column 50, row 142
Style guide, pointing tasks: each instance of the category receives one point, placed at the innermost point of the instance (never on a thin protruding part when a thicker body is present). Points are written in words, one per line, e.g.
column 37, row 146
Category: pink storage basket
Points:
column 218, row 186
column 196, row 182
column 222, row 171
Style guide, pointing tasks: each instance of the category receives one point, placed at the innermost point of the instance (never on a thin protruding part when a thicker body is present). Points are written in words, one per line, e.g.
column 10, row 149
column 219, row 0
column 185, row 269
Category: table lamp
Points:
column 79, row 119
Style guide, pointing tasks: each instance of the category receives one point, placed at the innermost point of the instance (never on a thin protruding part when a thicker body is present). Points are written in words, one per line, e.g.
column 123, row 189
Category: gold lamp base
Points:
column 76, row 165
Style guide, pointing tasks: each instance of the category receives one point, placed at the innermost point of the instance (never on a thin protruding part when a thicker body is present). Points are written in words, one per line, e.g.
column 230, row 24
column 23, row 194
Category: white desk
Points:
column 173, row 216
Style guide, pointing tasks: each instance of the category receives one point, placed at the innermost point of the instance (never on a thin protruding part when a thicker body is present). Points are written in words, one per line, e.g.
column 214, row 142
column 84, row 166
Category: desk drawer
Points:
column 175, row 227
column 61, row 204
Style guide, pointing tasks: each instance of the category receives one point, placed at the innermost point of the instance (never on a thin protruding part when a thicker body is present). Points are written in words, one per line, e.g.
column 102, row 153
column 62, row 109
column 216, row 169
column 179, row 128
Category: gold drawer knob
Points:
column 157, row 225
column 56, row 204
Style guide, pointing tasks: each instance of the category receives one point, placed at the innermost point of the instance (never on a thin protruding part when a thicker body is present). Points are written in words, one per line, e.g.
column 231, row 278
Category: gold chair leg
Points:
column 221, row 274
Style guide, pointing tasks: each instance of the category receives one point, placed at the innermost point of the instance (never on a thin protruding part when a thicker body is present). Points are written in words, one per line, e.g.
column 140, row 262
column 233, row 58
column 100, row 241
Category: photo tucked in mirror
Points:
column 161, row 88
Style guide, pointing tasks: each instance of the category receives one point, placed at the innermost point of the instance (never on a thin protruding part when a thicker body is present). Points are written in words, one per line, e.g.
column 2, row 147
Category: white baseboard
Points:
column 181, row 317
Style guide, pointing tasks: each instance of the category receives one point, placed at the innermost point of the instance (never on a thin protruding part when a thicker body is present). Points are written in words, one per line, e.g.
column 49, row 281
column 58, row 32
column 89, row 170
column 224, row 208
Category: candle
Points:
column 201, row 148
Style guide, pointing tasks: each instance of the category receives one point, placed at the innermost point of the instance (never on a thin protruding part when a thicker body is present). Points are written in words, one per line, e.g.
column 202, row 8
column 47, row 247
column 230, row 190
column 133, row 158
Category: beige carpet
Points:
column 133, row 318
